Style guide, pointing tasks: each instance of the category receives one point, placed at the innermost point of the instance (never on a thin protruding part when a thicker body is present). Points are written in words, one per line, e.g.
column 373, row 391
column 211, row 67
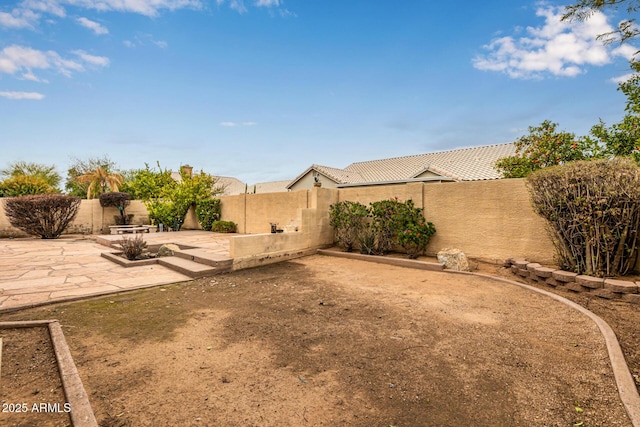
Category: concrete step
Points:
column 190, row 268
column 207, row 258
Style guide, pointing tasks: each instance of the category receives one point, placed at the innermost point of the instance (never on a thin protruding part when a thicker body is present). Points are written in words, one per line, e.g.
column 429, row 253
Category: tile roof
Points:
column 466, row 164
column 270, row 187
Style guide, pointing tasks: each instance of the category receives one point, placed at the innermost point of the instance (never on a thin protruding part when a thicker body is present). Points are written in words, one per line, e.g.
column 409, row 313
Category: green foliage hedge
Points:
column 382, row 226
column 208, row 211
column 224, row 227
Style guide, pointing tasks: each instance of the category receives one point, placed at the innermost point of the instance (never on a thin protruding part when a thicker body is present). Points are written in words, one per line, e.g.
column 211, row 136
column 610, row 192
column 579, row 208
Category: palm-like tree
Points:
column 99, row 180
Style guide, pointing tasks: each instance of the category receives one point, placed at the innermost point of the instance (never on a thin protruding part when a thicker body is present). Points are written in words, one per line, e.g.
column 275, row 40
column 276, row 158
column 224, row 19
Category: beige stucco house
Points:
column 467, row 164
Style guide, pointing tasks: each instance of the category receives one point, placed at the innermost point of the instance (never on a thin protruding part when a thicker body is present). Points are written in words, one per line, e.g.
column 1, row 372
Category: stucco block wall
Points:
column 366, row 195
column 254, row 213
column 490, row 220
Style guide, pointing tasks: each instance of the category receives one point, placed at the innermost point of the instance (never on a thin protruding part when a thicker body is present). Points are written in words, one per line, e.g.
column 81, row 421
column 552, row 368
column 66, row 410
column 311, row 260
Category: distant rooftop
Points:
column 466, row 164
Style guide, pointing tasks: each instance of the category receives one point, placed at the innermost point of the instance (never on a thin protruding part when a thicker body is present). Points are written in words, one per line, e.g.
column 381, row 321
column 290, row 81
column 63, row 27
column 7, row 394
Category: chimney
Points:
column 186, row 170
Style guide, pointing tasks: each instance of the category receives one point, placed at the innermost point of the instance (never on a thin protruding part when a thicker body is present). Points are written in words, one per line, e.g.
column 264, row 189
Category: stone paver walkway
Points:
column 35, row 271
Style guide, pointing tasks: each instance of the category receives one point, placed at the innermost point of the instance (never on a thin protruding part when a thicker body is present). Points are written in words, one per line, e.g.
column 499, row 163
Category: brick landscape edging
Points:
column 81, row 414
column 565, row 280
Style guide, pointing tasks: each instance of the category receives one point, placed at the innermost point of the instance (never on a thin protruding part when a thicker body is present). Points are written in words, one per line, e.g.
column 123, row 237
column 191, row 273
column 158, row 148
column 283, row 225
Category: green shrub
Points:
column 133, row 247
column 415, row 238
column 223, row 227
column 348, row 220
column 170, row 214
column 23, row 185
column 592, row 209
column 389, row 218
column 44, row 215
column 208, row 211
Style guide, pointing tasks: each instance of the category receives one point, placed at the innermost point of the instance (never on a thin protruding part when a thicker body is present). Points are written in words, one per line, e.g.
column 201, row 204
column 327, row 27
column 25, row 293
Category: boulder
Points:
column 168, row 249
column 453, row 259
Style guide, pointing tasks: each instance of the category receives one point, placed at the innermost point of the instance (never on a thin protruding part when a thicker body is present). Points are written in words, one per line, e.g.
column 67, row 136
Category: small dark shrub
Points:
column 208, row 211
column 133, row 247
column 367, row 241
column 44, row 215
column 223, row 227
column 118, row 200
column 348, row 220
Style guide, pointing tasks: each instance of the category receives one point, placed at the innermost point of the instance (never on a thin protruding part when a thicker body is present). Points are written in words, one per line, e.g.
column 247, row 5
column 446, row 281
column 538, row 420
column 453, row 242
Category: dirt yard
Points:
column 323, row 341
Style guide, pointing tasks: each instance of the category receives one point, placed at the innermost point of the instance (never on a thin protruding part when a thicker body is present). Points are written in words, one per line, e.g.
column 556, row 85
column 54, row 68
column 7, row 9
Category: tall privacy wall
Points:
column 490, row 220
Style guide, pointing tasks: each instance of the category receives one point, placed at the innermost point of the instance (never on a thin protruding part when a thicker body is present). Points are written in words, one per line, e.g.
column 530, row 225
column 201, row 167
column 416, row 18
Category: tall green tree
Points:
column 99, row 180
column 80, row 167
column 546, row 146
column 45, row 173
column 627, row 29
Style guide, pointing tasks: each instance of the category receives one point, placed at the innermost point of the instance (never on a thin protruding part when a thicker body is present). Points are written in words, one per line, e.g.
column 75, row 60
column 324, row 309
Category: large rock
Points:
column 168, row 249
column 453, row 259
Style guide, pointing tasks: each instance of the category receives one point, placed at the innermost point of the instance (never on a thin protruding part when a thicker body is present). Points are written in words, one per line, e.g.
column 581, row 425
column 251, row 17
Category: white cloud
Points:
column 267, row 3
column 22, row 95
column 559, row 48
column 96, row 27
column 19, row 59
column 621, row 79
column 101, row 61
column 46, row 6
column 144, row 39
column 19, row 18
column 249, row 124
column 142, row 7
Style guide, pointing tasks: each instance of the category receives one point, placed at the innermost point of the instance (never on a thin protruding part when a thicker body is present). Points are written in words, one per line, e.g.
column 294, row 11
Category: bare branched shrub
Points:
column 133, row 247
column 44, row 215
column 593, row 212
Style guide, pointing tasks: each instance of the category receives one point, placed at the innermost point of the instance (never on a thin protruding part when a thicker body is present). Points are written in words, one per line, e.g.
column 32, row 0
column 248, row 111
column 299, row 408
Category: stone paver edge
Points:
column 81, row 413
column 624, row 380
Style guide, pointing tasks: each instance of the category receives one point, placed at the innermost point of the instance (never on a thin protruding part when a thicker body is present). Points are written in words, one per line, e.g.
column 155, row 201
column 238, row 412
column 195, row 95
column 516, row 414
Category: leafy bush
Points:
column 119, row 200
column 415, row 238
column 133, row 247
column 382, row 226
column 23, row 185
column 208, row 211
column 224, row 227
column 44, row 215
column 592, row 209
column 348, row 220
column 168, row 213
column 545, row 147
column 390, row 218
column 167, row 200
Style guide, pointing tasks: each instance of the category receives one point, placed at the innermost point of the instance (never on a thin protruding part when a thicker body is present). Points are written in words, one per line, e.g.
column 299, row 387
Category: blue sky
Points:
column 261, row 89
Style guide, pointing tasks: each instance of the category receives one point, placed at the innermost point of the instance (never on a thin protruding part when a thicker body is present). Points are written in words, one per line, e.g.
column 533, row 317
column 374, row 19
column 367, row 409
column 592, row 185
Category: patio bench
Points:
column 121, row 229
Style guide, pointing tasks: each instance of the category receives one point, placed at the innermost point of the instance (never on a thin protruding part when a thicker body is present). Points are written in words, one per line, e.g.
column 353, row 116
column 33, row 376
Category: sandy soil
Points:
column 324, row 341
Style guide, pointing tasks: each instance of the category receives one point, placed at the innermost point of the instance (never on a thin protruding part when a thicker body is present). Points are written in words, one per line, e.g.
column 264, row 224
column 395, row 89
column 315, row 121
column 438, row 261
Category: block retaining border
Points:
column 81, row 414
column 620, row 290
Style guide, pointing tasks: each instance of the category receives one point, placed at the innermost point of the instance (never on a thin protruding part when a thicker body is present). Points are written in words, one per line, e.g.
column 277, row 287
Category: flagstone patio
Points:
column 35, row 271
